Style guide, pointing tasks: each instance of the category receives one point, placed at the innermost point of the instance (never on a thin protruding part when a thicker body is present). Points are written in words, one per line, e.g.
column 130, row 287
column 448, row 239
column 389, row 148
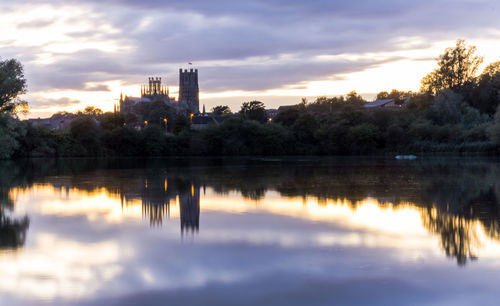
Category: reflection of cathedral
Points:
column 157, row 199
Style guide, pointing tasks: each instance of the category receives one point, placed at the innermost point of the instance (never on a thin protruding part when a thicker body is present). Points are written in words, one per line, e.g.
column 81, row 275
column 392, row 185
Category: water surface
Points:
column 344, row 231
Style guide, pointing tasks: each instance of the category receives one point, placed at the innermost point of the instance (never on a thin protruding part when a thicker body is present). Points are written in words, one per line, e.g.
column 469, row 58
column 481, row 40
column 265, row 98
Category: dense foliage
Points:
column 456, row 111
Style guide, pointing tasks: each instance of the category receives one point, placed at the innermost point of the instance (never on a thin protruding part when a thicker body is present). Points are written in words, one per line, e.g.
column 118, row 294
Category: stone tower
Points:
column 189, row 93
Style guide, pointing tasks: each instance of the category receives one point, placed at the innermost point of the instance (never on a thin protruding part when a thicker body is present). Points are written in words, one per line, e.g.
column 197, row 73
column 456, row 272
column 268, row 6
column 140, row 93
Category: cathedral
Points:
column 189, row 93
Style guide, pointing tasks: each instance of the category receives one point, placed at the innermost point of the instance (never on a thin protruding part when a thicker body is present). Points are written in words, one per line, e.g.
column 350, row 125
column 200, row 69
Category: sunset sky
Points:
column 79, row 53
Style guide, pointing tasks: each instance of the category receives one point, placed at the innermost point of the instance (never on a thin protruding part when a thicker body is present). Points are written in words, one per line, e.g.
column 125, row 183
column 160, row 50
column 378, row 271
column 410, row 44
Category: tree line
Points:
column 455, row 111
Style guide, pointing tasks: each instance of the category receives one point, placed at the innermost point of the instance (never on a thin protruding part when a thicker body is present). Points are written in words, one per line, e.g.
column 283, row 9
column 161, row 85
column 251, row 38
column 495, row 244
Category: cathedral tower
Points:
column 189, row 93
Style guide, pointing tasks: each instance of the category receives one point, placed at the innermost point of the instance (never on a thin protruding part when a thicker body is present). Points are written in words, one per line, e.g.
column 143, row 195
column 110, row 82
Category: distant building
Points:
column 271, row 113
column 189, row 96
column 285, row 107
column 385, row 103
column 57, row 121
column 206, row 120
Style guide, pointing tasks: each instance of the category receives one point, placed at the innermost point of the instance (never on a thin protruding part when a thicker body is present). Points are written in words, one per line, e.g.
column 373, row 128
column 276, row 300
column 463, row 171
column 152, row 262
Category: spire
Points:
column 121, row 96
column 203, row 109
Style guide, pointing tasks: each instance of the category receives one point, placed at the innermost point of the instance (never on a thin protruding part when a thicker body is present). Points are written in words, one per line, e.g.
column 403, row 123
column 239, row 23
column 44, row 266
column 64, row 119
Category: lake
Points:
column 255, row 231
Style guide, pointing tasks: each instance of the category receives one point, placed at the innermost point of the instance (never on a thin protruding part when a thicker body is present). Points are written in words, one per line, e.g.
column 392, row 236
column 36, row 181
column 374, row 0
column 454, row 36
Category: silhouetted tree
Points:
column 287, row 117
column 486, row 97
column 92, row 111
column 12, row 85
column 457, row 68
column 395, row 94
column 254, row 110
column 221, row 110
column 353, row 98
column 110, row 121
column 181, row 123
column 86, row 131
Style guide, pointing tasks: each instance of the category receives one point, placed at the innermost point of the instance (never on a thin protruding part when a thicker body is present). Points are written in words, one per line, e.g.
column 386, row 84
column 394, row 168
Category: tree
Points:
column 288, row 116
column 157, row 112
column 395, row 94
column 486, row 97
column 353, row 98
column 86, row 131
column 12, row 85
column 254, row 110
column 457, row 69
column 92, row 111
column 11, row 131
column 221, row 110
column 181, row 123
column 110, row 121
column 382, row 95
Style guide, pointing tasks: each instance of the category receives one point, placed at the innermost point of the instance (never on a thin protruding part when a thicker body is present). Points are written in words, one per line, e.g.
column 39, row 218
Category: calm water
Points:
column 250, row 232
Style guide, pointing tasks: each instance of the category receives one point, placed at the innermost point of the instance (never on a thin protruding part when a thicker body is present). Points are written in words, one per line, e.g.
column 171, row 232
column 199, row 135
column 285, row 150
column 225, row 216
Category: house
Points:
column 285, row 107
column 57, row 121
column 271, row 113
column 205, row 120
column 386, row 103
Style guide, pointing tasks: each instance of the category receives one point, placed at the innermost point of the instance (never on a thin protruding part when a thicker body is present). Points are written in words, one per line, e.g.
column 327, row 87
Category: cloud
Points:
column 279, row 73
column 42, row 103
column 96, row 88
column 39, row 23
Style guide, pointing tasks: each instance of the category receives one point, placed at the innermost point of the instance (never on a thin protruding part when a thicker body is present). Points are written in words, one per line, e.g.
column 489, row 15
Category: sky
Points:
column 85, row 53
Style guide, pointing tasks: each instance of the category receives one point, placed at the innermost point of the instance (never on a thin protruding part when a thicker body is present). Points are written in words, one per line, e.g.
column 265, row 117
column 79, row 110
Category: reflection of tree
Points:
column 12, row 231
column 457, row 234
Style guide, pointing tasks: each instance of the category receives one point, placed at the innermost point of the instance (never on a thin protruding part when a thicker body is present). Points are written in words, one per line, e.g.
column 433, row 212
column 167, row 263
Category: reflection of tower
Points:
column 190, row 209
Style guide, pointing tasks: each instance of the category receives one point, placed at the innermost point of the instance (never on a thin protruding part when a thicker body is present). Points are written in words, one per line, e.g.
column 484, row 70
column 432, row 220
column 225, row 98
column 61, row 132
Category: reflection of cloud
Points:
column 84, row 244
column 69, row 270
column 287, row 288
column 97, row 206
